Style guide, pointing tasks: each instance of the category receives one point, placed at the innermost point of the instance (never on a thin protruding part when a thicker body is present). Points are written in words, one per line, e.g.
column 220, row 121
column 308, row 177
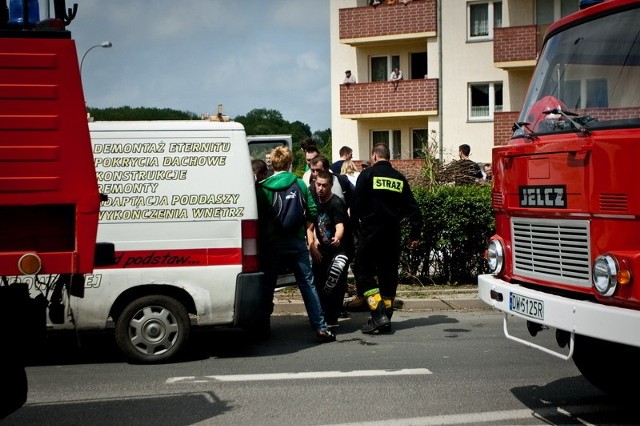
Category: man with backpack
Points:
column 286, row 211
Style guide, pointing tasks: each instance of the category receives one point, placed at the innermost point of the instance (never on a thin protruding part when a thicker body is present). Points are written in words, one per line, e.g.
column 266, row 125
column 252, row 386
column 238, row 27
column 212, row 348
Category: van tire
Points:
column 152, row 329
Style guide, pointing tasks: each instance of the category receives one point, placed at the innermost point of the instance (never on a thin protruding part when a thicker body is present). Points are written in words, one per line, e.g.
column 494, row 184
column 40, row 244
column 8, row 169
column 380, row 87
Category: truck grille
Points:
column 552, row 249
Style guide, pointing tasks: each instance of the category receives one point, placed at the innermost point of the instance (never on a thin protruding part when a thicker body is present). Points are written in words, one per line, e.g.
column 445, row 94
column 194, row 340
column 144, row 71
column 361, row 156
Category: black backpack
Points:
column 288, row 208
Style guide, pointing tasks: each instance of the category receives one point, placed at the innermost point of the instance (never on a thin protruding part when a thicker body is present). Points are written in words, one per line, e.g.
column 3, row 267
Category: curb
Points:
column 435, row 304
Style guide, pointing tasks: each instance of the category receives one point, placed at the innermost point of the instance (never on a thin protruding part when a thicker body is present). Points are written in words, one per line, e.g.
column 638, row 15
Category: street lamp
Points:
column 105, row 44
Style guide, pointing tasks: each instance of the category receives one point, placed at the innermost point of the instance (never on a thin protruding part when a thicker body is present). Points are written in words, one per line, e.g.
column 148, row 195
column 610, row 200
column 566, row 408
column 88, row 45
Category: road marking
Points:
column 570, row 413
column 297, row 376
column 451, row 419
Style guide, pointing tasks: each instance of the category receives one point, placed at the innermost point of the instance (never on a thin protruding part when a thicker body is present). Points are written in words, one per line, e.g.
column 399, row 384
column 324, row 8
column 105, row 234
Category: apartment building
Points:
column 466, row 67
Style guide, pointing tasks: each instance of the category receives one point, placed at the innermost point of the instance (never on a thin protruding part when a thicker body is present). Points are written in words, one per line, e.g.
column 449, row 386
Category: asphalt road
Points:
column 436, row 367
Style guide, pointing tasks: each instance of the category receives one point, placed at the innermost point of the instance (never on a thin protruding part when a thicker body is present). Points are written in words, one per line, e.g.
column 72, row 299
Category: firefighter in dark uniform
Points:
column 382, row 199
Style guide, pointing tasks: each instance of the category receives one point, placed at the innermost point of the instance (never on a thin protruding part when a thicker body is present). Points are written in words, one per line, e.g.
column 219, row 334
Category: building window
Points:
column 381, row 67
column 483, row 18
column 484, row 100
column 597, row 96
column 391, row 138
column 418, row 65
column 571, row 93
column 548, row 11
column 591, row 93
column 419, row 143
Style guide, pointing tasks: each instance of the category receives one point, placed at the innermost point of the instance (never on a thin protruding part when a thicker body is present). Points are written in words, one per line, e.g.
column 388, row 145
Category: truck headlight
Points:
column 605, row 271
column 495, row 256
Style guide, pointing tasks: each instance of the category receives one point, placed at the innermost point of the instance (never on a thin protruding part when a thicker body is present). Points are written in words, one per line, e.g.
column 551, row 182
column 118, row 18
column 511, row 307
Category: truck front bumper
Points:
column 580, row 317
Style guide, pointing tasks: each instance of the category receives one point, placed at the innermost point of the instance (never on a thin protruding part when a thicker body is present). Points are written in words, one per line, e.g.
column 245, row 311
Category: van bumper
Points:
column 254, row 303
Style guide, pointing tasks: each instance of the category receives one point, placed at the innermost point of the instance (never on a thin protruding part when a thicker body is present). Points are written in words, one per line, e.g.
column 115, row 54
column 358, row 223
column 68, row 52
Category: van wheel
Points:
column 152, row 329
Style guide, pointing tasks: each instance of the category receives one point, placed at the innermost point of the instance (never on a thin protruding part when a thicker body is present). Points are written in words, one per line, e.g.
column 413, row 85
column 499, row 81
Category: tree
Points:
column 127, row 113
column 264, row 122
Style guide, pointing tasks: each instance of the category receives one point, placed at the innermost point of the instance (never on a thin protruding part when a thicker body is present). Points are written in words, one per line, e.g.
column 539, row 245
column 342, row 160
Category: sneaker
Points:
column 325, row 336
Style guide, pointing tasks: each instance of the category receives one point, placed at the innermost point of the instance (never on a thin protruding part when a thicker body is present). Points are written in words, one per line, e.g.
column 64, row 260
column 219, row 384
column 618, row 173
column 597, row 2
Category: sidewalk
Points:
column 428, row 298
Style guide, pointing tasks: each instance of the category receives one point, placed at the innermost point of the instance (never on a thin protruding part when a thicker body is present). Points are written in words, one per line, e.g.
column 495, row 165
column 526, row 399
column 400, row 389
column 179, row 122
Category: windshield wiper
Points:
column 579, row 123
column 521, row 128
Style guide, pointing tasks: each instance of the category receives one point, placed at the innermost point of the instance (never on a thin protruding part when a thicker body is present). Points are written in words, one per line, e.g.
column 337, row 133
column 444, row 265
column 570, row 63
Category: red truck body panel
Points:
column 49, row 200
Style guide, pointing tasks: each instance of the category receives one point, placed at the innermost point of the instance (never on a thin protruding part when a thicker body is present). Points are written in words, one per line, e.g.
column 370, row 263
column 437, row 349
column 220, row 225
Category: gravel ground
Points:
column 290, row 294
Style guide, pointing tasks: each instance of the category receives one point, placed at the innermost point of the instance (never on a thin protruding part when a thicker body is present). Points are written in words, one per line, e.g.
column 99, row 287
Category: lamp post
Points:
column 105, row 44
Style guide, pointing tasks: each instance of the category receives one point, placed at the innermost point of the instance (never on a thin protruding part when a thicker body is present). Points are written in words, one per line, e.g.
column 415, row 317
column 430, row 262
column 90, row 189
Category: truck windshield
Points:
column 587, row 77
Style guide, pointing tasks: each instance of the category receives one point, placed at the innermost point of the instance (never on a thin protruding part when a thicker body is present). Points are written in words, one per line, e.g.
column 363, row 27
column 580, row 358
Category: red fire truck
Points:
column 566, row 253
column 49, row 199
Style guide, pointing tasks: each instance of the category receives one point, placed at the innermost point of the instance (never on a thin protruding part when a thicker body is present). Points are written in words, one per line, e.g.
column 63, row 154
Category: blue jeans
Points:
column 293, row 252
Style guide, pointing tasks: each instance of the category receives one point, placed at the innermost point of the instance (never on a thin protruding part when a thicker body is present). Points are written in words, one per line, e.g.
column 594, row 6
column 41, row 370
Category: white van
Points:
column 182, row 214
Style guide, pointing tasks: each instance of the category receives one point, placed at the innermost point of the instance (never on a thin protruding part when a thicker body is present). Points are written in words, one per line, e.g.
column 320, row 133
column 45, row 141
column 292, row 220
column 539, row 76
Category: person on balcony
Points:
column 348, row 77
column 395, row 77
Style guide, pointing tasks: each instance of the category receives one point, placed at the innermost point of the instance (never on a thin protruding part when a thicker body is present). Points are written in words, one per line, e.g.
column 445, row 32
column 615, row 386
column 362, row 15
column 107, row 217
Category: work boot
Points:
column 388, row 306
column 379, row 321
column 357, row 303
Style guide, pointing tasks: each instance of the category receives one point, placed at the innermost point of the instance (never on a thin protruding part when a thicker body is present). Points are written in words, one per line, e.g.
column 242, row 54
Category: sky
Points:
column 191, row 55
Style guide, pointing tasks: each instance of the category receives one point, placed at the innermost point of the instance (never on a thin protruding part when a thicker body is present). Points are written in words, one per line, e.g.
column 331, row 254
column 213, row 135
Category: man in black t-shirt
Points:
column 332, row 247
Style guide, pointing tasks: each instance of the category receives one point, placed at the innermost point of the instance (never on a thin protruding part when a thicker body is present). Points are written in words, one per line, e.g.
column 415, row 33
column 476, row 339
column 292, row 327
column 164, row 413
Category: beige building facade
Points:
column 466, row 67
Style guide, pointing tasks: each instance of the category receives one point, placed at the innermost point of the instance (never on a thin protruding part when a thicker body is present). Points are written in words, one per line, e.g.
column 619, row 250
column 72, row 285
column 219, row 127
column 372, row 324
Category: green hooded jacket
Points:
column 264, row 192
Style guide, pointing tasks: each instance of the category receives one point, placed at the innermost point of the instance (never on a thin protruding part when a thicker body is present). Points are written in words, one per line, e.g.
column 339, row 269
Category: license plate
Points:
column 527, row 306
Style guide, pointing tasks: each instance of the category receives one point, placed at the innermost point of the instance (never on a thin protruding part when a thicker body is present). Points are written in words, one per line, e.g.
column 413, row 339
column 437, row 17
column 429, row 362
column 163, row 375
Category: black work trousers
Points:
column 378, row 256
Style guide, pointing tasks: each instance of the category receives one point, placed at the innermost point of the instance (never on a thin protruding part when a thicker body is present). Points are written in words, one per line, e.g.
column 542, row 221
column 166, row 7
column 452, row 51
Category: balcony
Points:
column 414, row 20
column 517, row 47
column 412, row 98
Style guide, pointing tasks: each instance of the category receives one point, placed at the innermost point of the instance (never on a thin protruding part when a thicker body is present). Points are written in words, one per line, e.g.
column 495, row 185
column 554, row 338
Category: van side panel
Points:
column 178, row 192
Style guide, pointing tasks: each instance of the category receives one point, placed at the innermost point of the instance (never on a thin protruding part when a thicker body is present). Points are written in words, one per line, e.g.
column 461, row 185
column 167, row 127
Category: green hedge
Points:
column 458, row 222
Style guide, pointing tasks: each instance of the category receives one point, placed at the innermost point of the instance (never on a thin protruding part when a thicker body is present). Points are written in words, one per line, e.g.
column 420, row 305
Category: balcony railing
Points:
column 517, row 47
column 410, row 97
column 414, row 19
